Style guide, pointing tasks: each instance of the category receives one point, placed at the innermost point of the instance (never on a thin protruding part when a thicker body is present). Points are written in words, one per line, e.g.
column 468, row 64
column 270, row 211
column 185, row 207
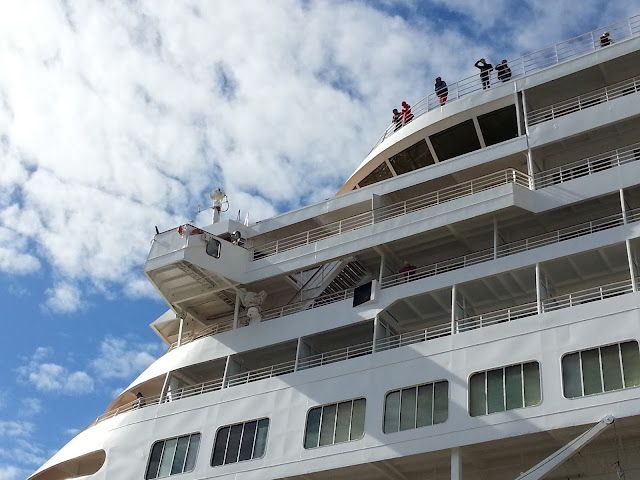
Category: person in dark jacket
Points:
column 485, row 68
column 396, row 119
column 504, row 72
column 441, row 90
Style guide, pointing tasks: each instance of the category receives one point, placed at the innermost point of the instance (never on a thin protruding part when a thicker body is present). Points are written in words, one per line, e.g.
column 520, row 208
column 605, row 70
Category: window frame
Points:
column 504, row 368
column 598, row 348
column 243, row 424
column 417, row 388
column 186, row 455
column 322, row 406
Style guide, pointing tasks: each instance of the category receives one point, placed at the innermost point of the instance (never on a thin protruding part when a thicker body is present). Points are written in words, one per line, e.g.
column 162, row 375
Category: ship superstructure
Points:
column 466, row 307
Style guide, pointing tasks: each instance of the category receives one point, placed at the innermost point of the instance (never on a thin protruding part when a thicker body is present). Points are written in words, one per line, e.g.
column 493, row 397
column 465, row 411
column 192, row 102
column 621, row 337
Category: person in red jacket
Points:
column 407, row 116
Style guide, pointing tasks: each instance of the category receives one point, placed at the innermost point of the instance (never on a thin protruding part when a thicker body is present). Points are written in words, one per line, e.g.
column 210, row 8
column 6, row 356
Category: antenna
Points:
column 218, row 199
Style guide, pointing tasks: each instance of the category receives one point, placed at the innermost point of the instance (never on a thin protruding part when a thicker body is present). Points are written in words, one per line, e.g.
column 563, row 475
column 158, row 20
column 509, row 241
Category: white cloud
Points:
column 25, row 452
column 63, row 298
column 13, row 428
column 12, row 259
column 52, row 377
column 30, row 407
column 10, row 472
column 121, row 358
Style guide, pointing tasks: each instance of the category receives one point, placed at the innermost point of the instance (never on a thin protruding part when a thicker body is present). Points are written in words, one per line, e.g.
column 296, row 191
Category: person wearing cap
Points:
column 504, row 72
column 605, row 39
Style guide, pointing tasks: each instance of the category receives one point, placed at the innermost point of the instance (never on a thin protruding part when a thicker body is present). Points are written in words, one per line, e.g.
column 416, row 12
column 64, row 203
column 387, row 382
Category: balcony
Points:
column 388, row 212
column 582, row 102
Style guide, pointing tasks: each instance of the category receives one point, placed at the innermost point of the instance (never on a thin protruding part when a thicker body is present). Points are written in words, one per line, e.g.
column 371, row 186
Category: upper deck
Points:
column 462, row 125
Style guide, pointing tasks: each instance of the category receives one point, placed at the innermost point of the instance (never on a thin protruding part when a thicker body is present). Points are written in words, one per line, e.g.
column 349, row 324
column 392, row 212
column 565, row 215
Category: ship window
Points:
column 335, row 423
column 213, row 248
column 499, row 125
column 381, row 173
column 417, row 406
column 173, row 456
column 455, row 141
column 506, row 388
column 413, row 158
column 601, row 369
column 239, row 442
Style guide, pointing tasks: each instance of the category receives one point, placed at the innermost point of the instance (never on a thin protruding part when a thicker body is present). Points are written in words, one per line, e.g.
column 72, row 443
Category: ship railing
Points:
column 308, row 304
column 136, row 404
column 581, row 102
column 438, row 268
column 525, row 65
column 587, row 295
column 416, row 336
column 193, row 390
column 205, row 332
column 561, row 235
column 497, row 316
column 334, row 356
column 427, row 200
column 588, row 166
column 261, row 373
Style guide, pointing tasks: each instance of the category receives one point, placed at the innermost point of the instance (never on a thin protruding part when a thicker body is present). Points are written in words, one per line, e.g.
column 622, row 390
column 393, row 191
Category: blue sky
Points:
column 116, row 117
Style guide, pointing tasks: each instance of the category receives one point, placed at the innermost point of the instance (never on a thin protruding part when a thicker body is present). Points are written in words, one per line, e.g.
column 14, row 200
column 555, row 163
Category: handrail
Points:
column 416, row 336
column 587, row 166
column 333, row 356
column 205, row 332
column 581, row 102
column 261, row 373
column 525, row 65
column 411, row 205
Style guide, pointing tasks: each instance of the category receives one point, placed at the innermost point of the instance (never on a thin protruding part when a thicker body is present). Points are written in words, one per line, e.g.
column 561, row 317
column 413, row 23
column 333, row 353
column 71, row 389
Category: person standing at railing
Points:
column 396, row 119
column 605, row 39
column 441, row 90
column 504, row 72
column 485, row 69
column 407, row 269
column 407, row 116
column 140, row 403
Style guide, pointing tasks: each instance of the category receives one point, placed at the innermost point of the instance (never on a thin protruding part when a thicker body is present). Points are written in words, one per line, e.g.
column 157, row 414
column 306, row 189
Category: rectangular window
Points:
column 240, row 442
column 335, row 423
column 417, row 406
column 173, row 456
column 506, row 388
column 601, row 369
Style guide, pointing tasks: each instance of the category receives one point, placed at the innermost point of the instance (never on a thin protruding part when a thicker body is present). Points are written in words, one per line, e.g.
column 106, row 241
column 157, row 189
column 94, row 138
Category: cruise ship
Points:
column 466, row 306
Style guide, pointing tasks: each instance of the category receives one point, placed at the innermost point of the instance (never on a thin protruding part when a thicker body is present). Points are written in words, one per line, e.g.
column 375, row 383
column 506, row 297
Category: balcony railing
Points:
column 520, row 67
column 588, row 166
column 416, row 336
column 334, row 356
column 205, row 332
column 498, row 316
column 581, row 102
column 392, row 211
column 307, row 304
column 586, row 296
column 261, row 373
